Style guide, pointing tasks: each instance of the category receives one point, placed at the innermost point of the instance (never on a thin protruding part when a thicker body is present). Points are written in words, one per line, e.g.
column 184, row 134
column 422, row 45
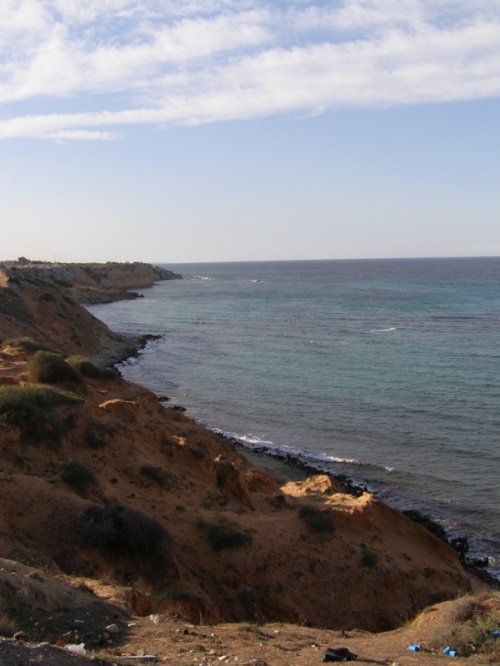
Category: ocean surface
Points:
column 387, row 371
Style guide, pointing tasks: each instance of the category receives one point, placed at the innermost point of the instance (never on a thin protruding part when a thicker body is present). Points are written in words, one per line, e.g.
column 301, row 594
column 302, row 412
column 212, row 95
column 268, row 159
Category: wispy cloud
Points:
column 188, row 62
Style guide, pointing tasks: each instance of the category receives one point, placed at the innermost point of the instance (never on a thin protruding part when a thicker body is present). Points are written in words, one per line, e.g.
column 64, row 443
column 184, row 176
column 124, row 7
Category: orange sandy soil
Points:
column 357, row 567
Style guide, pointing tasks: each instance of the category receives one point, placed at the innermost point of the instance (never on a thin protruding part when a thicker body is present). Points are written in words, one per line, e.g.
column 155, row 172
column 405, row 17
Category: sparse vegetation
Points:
column 7, row 626
column 319, row 521
column 26, row 343
column 88, row 369
column 30, row 405
column 50, row 368
column 468, row 626
column 77, row 475
column 122, row 533
column 96, row 433
column 223, row 534
column 47, row 298
column 156, row 474
column 369, row 559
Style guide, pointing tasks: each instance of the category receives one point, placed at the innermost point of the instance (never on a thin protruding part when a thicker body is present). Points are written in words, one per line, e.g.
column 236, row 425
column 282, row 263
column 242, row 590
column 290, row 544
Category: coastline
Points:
column 117, row 509
column 122, row 350
column 290, row 468
column 423, row 446
column 230, row 538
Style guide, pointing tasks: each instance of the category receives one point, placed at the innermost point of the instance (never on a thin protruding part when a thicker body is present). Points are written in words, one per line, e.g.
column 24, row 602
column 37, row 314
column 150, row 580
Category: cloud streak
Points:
column 137, row 62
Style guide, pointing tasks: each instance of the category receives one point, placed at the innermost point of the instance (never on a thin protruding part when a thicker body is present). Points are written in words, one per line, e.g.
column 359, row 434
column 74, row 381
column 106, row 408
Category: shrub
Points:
column 27, row 344
column 77, row 475
column 462, row 610
column 468, row 627
column 156, row 474
column 119, row 531
column 369, row 559
column 224, row 535
column 319, row 521
column 96, row 433
column 47, row 298
column 88, row 369
column 30, row 405
column 50, row 368
column 7, row 626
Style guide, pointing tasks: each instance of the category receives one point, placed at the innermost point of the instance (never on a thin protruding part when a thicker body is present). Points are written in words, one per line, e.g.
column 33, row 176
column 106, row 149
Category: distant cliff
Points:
column 42, row 300
column 89, row 283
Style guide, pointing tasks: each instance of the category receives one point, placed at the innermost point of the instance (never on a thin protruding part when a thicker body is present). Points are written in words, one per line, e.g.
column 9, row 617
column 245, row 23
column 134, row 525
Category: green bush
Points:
column 50, row 368
column 224, row 535
column 88, row 369
column 119, row 531
column 27, row 344
column 30, row 405
column 319, row 521
column 77, row 475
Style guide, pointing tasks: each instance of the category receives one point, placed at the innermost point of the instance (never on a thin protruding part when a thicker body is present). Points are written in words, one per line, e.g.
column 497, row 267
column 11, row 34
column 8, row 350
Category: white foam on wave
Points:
column 148, row 348
column 319, row 460
column 383, row 330
column 131, row 360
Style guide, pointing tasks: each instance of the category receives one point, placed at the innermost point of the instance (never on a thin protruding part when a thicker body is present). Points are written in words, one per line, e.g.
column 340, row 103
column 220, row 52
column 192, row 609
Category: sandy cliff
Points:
column 114, row 484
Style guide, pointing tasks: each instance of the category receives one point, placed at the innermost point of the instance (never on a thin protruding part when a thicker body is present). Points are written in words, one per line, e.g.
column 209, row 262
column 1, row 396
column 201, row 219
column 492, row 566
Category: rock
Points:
column 338, row 654
column 112, row 629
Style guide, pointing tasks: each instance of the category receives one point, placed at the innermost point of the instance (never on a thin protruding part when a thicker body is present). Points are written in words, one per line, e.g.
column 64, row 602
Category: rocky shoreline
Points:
column 130, row 532
column 100, row 479
column 292, row 469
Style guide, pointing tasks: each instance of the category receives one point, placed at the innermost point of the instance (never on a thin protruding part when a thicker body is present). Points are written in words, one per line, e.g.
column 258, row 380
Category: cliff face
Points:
column 90, row 283
column 115, row 482
column 45, row 310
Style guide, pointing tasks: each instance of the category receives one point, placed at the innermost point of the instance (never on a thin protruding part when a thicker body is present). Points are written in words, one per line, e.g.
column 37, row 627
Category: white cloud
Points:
column 193, row 62
column 81, row 135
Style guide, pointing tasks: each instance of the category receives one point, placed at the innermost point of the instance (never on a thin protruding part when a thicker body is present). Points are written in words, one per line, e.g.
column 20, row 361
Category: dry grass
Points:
column 7, row 626
column 468, row 625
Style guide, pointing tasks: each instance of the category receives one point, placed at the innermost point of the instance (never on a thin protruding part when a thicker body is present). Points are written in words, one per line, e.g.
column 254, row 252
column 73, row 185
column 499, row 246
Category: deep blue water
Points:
column 386, row 370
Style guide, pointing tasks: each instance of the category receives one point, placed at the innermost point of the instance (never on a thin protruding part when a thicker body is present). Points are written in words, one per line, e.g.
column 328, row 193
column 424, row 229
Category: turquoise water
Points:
column 385, row 370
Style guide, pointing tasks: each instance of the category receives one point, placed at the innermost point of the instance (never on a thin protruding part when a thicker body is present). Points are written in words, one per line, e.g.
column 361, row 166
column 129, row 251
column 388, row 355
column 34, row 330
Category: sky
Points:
column 239, row 130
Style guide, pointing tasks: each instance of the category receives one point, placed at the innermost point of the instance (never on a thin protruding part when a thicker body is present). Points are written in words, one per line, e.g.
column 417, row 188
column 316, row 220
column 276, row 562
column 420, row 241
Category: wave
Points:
column 143, row 348
column 319, row 461
column 368, row 479
column 383, row 330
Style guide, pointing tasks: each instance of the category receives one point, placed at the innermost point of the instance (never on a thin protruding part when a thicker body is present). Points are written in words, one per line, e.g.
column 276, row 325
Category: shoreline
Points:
column 290, row 468
column 122, row 350
column 178, row 493
column 293, row 469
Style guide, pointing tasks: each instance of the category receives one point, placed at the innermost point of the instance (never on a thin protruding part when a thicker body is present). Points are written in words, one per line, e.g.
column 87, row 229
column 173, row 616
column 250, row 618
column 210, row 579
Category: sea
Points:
column 386, row 371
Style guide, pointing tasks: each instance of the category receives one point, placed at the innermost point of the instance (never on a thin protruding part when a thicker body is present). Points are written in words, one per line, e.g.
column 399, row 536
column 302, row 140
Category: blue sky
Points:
column 218, row 130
